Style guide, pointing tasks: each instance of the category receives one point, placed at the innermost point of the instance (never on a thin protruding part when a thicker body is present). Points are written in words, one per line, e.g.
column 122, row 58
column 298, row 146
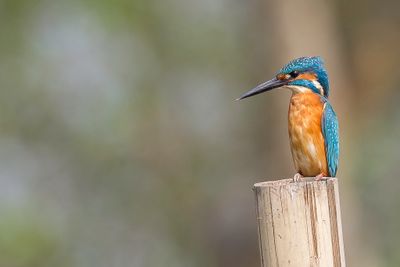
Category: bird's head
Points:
column 301, row 75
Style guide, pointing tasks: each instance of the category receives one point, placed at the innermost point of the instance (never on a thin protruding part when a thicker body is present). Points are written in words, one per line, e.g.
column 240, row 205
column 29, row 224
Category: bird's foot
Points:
column 320, row 177
column 297, row 177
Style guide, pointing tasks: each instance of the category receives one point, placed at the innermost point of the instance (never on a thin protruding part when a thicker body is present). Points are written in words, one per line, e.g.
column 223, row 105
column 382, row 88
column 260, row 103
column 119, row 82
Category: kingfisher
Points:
column 312, row 122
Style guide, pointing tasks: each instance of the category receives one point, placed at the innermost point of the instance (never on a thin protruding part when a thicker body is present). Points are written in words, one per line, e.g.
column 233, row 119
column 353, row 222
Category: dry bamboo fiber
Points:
column 299, row 223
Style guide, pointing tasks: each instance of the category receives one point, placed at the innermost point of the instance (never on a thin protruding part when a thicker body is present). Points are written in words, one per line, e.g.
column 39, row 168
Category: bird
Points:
column 312, row 122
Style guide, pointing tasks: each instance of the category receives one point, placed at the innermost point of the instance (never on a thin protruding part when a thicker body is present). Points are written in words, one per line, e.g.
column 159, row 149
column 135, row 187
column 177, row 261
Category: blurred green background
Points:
column 121, row 143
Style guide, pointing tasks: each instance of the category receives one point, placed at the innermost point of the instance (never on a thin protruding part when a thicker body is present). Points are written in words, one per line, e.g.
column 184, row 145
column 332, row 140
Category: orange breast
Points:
column 306, row 140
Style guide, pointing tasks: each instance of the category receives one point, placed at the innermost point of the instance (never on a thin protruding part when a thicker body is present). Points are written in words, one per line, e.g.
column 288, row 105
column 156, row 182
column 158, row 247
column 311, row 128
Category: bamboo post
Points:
column 299, row 223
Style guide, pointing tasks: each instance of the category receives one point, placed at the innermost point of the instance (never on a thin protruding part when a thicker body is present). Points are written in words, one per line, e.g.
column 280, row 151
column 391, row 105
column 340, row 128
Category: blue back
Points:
column 330, row 131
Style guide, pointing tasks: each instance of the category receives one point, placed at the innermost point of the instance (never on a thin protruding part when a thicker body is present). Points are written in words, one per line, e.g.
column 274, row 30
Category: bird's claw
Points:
column 320, row 177
column 297, row 177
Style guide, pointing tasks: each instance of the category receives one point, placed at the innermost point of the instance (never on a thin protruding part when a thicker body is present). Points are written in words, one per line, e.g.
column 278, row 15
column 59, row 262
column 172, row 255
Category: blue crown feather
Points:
column 309, row 64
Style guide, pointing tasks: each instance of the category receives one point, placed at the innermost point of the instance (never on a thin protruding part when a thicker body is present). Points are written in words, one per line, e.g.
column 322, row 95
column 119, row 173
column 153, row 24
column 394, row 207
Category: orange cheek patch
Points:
column 282, row 77
column 307, row 76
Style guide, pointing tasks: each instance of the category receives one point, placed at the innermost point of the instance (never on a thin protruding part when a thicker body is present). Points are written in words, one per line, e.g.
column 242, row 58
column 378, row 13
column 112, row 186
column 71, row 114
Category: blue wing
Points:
column 330, row 131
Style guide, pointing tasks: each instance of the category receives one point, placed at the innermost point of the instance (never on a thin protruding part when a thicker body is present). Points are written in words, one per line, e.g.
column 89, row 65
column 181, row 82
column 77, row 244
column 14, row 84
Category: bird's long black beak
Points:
column 266, row 86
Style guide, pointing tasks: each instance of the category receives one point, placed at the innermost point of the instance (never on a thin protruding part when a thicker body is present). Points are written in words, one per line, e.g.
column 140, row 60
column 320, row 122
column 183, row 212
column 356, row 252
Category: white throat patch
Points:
column 298, row 89
column 318, row 86
column 302, row 89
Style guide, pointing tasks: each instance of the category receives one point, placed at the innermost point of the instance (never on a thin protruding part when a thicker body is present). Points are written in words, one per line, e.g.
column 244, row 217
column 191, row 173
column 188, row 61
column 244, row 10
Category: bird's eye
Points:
column 294, row 74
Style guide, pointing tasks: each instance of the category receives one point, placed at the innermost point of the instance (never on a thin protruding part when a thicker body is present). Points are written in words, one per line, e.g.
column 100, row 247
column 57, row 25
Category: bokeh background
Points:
column 121, row 143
